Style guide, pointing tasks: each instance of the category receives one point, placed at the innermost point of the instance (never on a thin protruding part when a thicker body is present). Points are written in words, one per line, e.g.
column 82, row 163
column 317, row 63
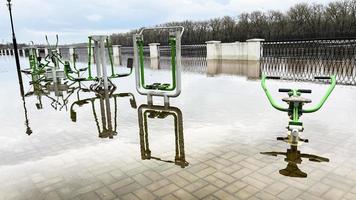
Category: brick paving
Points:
column 99, row 173
column 71, row 162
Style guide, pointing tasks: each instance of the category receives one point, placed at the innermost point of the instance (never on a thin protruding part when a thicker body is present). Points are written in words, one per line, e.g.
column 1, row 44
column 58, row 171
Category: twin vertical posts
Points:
column 99, row 53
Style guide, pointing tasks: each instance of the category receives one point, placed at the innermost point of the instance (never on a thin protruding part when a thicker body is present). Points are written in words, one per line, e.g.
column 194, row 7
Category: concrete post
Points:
column 213, row 67
column 154, row 55
column 213, row 50
column 254, row 48
column 24, row 52
column 1, row 52
column 10, row 52
column 37, row 52
column 71, row 54
column 116, row 51
column 154, row 63
column 45, row 52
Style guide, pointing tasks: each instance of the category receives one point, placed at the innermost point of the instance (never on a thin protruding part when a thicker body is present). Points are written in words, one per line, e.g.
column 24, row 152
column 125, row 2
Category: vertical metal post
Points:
column 15, row 48
column 102, row 60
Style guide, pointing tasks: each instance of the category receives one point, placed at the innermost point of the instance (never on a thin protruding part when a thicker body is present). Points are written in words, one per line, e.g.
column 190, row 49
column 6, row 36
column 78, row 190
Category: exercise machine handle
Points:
column 325, row 97
column 273, row 77
column 299, row 90
column 284, row 90
column 322, row 77
column 305, row 91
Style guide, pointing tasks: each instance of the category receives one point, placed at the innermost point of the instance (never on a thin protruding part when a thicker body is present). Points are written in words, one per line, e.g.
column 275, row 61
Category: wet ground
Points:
column 206, row 146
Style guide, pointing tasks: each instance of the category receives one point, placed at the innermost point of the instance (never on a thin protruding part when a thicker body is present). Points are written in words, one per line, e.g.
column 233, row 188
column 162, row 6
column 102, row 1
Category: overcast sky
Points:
column 74, row 20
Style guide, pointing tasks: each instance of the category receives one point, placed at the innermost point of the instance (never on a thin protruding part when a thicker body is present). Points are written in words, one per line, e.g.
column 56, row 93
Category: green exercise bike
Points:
column 295, row 106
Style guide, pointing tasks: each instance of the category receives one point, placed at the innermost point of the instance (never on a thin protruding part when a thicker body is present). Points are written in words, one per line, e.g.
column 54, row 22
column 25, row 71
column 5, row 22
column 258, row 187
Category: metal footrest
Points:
column 158, row 86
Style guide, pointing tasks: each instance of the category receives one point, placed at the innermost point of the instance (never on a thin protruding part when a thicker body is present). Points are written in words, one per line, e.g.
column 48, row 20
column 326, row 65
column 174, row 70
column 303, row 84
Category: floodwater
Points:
column 207, row 145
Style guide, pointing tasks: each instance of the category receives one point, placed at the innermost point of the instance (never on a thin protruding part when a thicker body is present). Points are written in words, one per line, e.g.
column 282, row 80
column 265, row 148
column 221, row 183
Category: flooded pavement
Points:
column 207, row 145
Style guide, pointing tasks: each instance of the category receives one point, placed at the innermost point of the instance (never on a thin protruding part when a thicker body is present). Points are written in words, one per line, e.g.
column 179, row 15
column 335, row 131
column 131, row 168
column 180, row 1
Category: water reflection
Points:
column 294, row 157
column 161, row 112
column 106, row 129
column 250, row 69
column 27, row 121
column 61, row 91
column 42, row 89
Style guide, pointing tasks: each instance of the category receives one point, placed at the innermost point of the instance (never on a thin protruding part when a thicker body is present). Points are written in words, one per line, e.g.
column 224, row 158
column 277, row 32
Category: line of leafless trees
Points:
column 302, row 21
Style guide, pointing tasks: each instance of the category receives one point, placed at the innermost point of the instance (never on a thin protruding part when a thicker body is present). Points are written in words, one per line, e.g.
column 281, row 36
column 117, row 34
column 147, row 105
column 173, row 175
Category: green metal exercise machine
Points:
column 166, row 90
column 295, row 106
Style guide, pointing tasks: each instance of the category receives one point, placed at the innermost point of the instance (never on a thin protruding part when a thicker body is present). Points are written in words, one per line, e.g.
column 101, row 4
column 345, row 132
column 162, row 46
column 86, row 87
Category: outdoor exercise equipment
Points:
column 294, row 157
column 36, row 67
column 166, row 90
column 108, row 130
column 295, row 106
column 47, row 69
column 161, row 112
column 98, row 47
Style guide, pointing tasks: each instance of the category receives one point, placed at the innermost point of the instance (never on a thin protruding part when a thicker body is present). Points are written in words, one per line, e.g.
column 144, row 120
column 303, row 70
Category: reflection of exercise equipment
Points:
column 166, row 90
column 59, row 101
column 44, row 89
column 49, row 69
column 161, row 112
column 295, row 107
column 293, row 158
column 36, row 67
column 107, row 130
column 27, row 121
column 102, row 46
column 54, row 73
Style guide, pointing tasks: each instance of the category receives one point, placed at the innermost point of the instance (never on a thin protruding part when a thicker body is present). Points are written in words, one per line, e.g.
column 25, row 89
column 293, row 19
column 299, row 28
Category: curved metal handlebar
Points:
column 168, row 27
column 310, row 110
column 49, row 45
column 327, row 94
column 269, row 96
